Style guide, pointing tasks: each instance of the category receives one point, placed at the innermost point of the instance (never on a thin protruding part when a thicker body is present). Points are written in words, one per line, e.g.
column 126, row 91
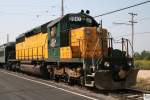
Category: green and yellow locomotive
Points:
column 74, row 48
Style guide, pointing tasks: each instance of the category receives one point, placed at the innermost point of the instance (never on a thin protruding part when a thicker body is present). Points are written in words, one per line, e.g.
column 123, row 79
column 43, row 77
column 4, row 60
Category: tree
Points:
column 137, row 56
column 145, row 55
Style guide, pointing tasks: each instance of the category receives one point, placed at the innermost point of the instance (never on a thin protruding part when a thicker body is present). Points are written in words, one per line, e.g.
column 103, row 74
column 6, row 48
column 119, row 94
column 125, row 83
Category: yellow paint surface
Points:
column 34, row 47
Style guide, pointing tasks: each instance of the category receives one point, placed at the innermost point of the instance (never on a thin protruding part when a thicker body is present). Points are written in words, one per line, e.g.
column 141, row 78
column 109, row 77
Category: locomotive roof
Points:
column 7, row 44
column 54, row 22
column 21, row 35
column 49, row 24
column 32, row 31
column 60, row 18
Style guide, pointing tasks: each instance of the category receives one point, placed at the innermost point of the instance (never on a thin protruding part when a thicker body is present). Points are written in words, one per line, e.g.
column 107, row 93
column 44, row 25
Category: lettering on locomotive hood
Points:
column 80, row 19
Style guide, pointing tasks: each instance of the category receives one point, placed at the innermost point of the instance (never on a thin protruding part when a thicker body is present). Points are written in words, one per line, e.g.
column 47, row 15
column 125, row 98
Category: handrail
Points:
column 94, row 51
column 131, row 45
column 95, row 48
column 85, row 48
column 125, row 45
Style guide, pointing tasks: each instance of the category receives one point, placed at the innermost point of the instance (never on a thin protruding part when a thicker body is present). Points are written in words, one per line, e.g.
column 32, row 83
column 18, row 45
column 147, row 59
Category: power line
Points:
column 122, row 9
column 140, row 33
column 124, row 23
column 10, row 13
column 116, row 23
column 143, row 33
column 146, row 18
column 52, row 6
column 26, row 14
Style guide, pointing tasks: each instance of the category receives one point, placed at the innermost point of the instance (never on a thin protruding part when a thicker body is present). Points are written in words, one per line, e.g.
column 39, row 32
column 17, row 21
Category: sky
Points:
column 19, row 16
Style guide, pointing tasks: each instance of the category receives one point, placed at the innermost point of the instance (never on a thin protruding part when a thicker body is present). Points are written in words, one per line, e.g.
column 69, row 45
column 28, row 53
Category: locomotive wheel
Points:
column 6, row 67
column 71, row 81
column 9, row 67
column 81, row 81
column 51, row 75
column 44, row 71
column 66, row 79
column 13, row 67
column 57, row 78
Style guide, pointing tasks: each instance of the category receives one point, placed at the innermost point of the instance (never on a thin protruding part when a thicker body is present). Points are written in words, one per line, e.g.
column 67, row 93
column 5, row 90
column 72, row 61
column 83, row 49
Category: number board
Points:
column 78, row 18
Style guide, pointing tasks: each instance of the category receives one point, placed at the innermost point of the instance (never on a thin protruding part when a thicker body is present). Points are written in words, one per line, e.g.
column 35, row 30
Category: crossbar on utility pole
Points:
column 132, row 24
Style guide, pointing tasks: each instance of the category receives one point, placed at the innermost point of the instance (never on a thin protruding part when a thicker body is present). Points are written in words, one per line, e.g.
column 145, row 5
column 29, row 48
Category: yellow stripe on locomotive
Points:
column 85, row 43
column 33, row 47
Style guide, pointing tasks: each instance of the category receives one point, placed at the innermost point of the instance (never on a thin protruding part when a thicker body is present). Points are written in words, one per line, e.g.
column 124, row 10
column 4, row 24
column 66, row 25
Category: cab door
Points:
column 54, row 42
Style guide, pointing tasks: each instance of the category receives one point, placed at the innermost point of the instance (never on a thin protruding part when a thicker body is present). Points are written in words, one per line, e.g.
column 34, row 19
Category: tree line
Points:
column 144, row 55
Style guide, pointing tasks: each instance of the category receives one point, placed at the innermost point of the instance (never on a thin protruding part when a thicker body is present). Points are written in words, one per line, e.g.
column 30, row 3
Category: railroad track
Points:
column 130, row 94
column 123, row 94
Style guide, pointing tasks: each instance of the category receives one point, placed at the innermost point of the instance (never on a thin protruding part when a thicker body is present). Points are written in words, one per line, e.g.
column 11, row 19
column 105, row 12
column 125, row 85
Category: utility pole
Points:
column 132, row 24
column 7, row 38
column 62, row 7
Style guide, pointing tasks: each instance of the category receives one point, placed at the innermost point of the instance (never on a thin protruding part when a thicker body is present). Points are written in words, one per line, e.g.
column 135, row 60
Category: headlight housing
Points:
column 107, row 64
column 129, row 63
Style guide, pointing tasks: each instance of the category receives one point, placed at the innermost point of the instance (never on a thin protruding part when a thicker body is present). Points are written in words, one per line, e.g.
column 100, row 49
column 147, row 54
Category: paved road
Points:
column 17, row 88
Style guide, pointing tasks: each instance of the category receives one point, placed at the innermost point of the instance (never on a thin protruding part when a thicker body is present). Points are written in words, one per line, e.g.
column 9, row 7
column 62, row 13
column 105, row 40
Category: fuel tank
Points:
column 34, row 69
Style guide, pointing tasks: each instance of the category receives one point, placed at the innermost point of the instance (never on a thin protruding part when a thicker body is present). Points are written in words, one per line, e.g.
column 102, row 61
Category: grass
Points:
column 142, row 64
column 143, row 84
